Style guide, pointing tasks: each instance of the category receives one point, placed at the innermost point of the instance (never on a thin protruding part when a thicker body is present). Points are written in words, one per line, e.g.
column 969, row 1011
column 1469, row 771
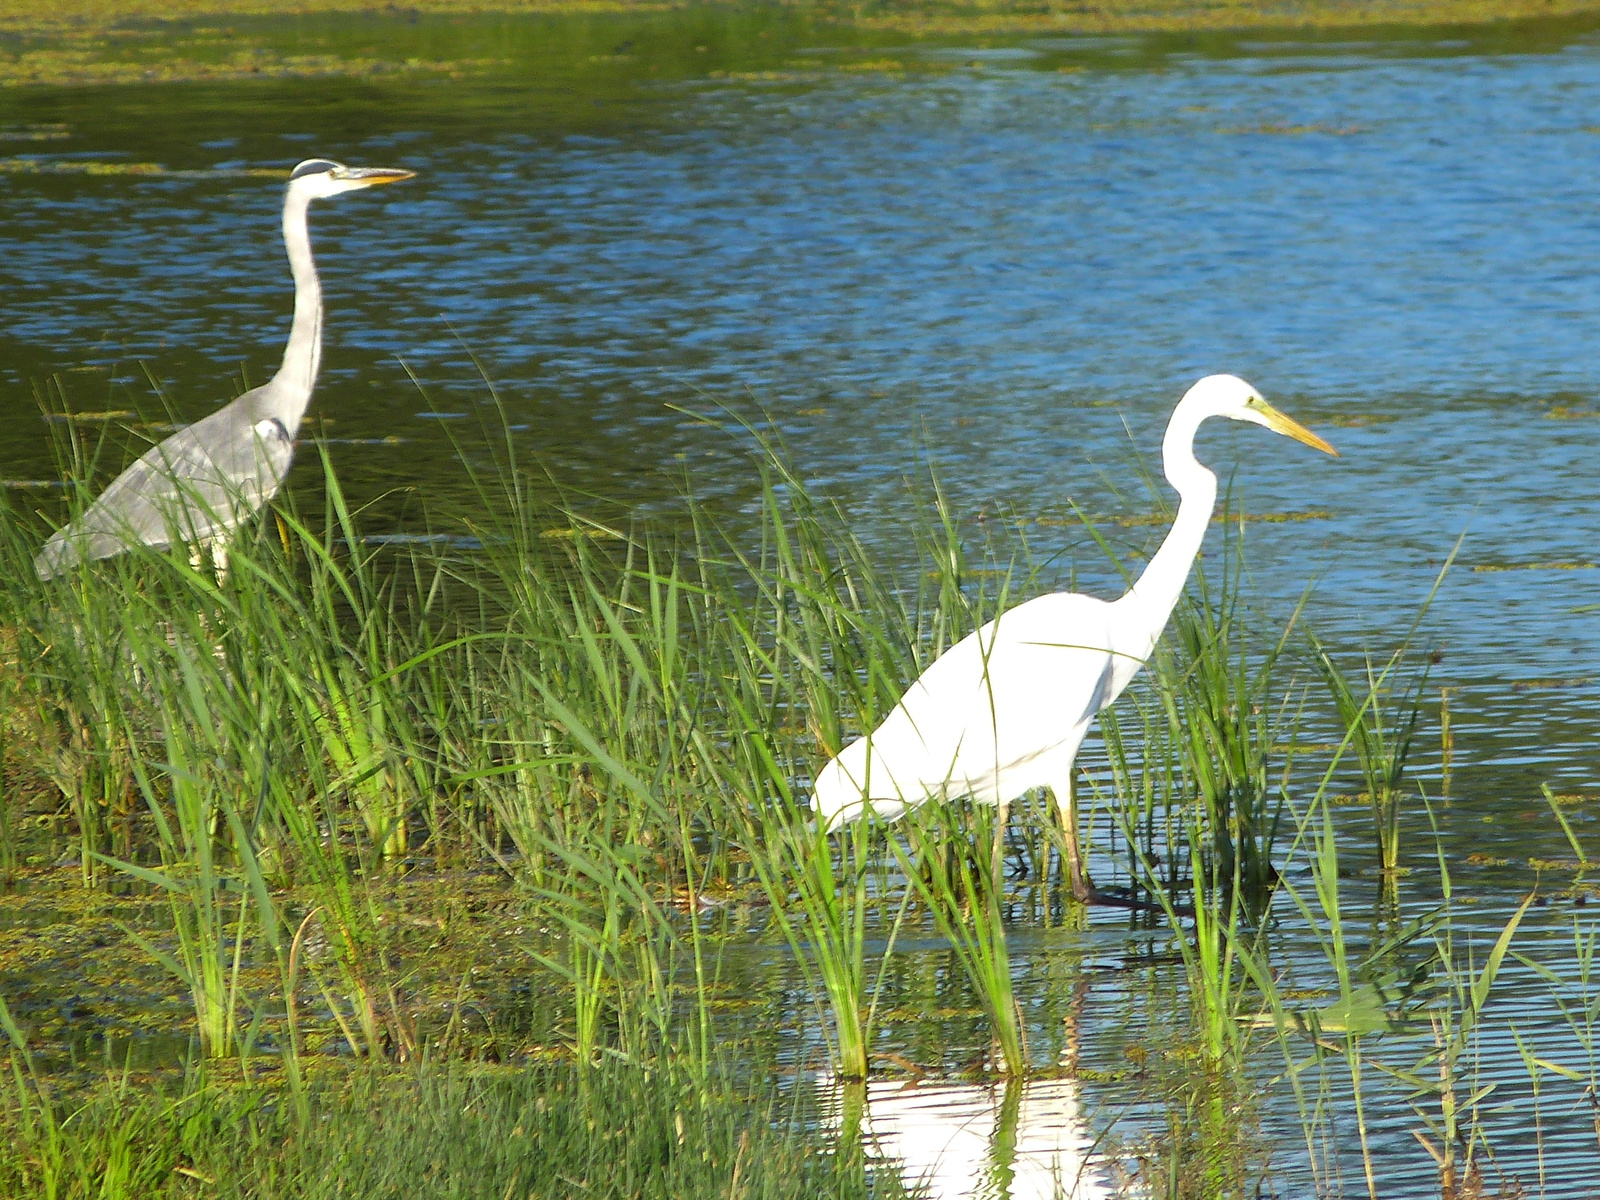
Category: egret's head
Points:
column 1230, row 396
column 319, row 177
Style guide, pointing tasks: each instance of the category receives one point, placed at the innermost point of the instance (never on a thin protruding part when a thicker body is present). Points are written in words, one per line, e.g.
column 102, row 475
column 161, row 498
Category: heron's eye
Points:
column 315, row 166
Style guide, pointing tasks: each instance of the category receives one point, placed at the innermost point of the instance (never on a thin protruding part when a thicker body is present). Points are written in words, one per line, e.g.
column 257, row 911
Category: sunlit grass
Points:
column 546, row 1131
column 619, row 723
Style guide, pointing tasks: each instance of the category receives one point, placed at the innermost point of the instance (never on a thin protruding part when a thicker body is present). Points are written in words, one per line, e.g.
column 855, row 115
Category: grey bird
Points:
column 200, row 483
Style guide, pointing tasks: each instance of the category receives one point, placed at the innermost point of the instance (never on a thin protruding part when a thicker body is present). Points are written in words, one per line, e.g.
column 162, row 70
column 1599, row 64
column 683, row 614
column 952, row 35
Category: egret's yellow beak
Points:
column 1278, row 423
column 370, row 176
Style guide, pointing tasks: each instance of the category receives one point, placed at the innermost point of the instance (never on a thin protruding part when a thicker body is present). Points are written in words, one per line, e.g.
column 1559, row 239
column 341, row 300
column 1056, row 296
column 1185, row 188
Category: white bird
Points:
column 1005, row 709
column 200, row 483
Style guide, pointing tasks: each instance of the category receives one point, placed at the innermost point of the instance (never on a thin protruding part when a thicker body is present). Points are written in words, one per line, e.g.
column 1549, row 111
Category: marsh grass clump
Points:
column 616, row 718
column 537, row 793
column 1382, row 711
column 1229, row 714
column 621, row 1132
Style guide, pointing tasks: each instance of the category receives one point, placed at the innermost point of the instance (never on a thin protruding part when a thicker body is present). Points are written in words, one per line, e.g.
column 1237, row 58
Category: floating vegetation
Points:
column 89, row 166
column 568, row 532
column 767, row 77
column 94, row 63
column 1358, row 420
column 1280, row 518
column 89, row 418
column 1484, row 568
column 1018, row 17
column 34, row 133
column 1293, row 130
column 1538, row 685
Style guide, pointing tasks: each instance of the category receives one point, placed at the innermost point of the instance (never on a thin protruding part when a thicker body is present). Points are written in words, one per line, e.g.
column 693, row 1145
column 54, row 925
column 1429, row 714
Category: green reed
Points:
column 1454, row 1121
column 614, row 714
column 624, row 720
column 1384, row 723
column 951, row 862
column 432, row 1131
column 9, row 687
column 1225, row 705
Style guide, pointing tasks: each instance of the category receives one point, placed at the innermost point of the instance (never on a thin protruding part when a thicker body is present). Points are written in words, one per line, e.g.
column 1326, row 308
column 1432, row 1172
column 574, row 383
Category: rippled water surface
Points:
column 1003, row 259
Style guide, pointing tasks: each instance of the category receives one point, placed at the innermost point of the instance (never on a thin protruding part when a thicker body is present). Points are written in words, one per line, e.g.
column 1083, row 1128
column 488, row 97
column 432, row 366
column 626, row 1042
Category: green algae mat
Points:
column 162, row 41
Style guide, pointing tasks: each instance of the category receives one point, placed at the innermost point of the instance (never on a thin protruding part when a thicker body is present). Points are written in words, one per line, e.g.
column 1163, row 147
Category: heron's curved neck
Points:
column 303, row 355
column 1157, row 590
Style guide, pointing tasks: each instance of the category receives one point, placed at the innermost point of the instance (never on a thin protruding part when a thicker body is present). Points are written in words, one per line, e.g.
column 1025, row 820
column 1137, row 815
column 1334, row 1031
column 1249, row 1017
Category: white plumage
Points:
column 1006, row 708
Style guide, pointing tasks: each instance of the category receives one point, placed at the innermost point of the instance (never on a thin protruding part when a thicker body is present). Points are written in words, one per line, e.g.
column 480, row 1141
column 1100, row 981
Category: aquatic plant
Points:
column 1453, row 1120
column 431, row 1131
column 1383, row 726
column 952, row 861
column 620, row 721
column 1223, row 700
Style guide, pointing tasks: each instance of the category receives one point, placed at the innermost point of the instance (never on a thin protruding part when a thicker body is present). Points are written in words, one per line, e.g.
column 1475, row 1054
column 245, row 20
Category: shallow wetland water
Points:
column 1001, row 260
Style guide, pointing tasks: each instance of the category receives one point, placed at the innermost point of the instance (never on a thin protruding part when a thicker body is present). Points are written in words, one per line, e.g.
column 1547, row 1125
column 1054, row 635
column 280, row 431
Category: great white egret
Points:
column 200, row 483
column 1006, row 708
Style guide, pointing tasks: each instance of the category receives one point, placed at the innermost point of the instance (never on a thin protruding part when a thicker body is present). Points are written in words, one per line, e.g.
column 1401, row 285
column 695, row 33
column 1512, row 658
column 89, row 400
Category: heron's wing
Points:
column 197, row 484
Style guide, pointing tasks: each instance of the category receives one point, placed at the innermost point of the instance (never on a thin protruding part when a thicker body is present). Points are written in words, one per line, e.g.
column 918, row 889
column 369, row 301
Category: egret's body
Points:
column 200, row 483
column 1006, row 708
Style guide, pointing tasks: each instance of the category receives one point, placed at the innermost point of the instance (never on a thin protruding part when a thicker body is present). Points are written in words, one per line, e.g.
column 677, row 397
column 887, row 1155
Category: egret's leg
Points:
column 1067, row 810
column 219, row 559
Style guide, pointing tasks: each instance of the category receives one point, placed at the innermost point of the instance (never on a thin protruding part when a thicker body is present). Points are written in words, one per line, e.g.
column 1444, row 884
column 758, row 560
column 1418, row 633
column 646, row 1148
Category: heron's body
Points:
column 199, row 484
column 1006, row 709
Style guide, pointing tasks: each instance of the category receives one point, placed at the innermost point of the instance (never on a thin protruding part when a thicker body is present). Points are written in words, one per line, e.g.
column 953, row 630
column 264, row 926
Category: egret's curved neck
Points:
column 303, row 355
column 1159, row 587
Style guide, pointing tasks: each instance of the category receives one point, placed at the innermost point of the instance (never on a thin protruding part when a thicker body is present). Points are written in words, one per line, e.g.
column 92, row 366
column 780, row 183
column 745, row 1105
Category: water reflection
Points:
column 1001, row 1141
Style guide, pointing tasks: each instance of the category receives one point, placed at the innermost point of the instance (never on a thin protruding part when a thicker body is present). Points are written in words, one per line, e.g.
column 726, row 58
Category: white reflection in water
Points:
column 1012, row 1141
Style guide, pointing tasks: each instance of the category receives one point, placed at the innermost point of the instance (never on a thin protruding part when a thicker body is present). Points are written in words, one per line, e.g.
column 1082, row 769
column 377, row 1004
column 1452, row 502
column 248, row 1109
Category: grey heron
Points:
column 199, row 484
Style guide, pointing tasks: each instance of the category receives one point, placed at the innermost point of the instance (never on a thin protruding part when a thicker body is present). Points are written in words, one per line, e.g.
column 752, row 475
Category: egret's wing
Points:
column 1011, row 693
column 982, row 713
column 200, row 482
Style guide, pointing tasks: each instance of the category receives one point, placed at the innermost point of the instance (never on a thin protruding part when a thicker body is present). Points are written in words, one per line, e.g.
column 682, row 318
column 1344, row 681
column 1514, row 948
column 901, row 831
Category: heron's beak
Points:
column 370, row 176
column 1278, row 423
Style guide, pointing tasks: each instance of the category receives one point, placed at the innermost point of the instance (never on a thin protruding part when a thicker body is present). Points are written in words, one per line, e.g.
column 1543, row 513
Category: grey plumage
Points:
column 199, row 484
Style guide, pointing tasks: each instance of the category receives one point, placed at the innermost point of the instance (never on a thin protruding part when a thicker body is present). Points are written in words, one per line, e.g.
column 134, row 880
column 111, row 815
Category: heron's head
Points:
column 319, row 177
column 1229, row 396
